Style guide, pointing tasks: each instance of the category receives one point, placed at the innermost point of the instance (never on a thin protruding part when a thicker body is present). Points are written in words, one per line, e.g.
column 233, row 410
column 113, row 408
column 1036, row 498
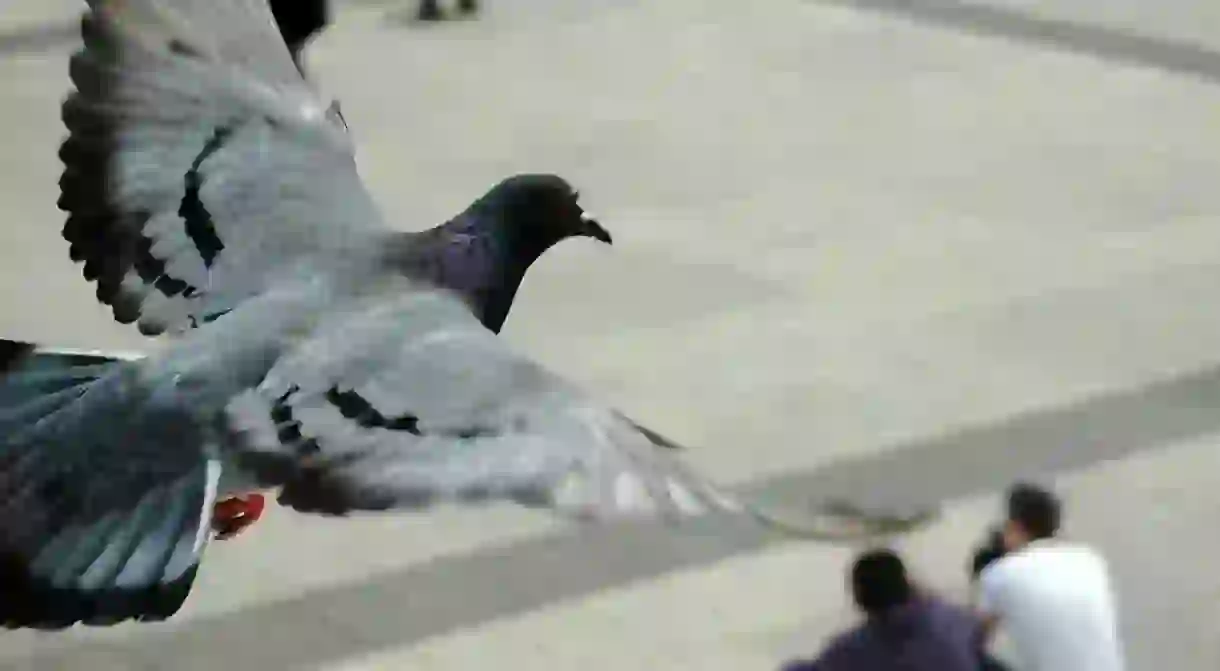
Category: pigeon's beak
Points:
column 590, row 228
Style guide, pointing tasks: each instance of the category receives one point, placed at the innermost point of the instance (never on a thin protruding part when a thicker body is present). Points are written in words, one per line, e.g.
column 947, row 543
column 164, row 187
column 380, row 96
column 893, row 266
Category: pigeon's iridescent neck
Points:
column 481, row 260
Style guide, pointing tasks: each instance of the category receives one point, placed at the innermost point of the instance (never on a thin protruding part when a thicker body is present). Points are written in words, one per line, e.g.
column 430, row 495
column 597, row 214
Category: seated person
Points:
column 903, row 630
column 1053, row 597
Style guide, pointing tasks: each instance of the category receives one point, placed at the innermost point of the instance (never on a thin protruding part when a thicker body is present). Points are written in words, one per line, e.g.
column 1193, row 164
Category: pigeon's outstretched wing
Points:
column 198, row 161
column 407, row 400
column 93, row 530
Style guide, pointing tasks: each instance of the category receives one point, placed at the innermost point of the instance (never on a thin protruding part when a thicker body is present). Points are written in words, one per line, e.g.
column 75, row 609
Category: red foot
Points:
column 232, row 516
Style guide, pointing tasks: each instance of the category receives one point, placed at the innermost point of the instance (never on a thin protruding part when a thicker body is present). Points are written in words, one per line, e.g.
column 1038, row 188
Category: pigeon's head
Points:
column 517, row 220
column 541, row 210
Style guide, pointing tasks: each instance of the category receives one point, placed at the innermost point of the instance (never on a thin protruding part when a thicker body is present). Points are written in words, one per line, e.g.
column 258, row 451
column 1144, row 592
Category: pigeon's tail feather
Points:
column 84, row 538
column 36, row 384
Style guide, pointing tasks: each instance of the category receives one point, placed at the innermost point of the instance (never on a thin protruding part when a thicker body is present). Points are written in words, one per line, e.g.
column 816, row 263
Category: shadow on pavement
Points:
column 1097, row 41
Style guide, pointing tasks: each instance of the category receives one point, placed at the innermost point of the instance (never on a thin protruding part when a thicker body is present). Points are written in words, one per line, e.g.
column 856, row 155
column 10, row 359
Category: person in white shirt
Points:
column 1052, row 597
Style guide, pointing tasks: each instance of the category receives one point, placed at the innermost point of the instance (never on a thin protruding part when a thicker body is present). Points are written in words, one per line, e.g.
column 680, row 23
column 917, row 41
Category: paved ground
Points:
column 898, row 251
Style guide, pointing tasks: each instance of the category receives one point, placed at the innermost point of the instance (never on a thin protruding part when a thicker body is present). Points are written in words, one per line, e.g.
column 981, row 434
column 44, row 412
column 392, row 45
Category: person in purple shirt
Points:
column 903, row 629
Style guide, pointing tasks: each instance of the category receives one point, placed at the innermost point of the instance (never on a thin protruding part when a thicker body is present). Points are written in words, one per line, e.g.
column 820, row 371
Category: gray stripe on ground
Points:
column 40, row 38
column 1092, row 40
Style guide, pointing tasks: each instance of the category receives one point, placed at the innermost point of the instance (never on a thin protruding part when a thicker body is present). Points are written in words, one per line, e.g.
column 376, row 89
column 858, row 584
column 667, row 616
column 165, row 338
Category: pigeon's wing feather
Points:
column 408, row 400
column 99, row 521
column 198, row 160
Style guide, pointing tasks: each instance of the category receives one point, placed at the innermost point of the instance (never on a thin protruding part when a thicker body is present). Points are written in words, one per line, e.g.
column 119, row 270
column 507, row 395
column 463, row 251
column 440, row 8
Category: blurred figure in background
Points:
column 903, row 629
column 299, row 22
column 430, row 10
column 1053, row 598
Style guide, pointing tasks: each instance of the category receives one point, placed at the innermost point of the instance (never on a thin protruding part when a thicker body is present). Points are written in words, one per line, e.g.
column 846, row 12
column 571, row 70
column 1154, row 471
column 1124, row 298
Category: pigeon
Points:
column 315, row 350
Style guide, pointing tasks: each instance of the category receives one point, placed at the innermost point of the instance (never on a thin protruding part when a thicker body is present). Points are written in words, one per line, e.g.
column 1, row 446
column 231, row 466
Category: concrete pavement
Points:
column 901, row 252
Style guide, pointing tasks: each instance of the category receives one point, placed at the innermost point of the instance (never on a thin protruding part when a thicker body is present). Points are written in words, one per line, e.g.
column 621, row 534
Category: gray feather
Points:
column 405, row 400
column 199, row 162
column 93, row 528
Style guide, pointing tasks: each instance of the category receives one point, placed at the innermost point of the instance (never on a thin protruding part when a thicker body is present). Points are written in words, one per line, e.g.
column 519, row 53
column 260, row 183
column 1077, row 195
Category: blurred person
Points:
column 904, row 629
column 430, row 10
column 1053, row 597
column 299, row 22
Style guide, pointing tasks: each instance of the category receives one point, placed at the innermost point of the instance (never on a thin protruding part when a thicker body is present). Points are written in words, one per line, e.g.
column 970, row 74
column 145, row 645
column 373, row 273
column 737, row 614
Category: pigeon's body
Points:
column 211, row 195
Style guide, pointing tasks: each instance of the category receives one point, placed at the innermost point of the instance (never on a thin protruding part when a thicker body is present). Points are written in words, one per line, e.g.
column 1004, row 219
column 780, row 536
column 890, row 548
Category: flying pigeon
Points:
column 319, row 352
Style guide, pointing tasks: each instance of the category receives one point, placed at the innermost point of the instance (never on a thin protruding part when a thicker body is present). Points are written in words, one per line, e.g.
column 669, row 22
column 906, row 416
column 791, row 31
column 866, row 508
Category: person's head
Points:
column 1033, row 514
column 879, row 582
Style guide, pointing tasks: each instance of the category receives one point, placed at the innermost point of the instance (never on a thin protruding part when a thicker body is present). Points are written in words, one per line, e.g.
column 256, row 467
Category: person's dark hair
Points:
column 879, row 582
column 1035, row 509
